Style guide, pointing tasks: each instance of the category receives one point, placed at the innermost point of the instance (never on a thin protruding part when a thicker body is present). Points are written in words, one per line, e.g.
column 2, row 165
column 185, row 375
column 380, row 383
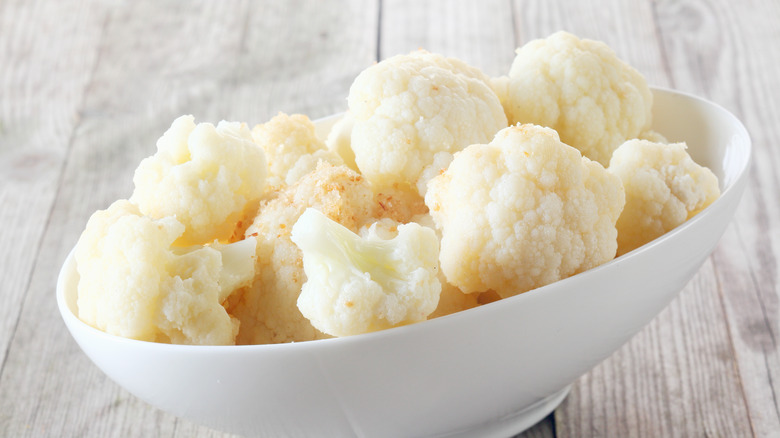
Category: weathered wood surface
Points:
column 86, row 87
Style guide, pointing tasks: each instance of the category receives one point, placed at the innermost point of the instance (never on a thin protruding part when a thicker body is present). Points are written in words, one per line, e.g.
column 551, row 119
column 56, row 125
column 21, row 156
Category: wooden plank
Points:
column 37, row 118
column 543, row 429
column 729, row 53
column 676, row 378
column 479, row 33
column 708, row 365
column 157, row 60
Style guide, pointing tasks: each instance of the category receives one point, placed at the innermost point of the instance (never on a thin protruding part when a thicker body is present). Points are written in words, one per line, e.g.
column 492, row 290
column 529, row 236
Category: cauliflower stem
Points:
column 356, row 284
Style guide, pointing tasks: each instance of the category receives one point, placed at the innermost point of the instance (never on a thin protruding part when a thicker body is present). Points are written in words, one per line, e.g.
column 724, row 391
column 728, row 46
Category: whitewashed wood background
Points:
column 87, row 86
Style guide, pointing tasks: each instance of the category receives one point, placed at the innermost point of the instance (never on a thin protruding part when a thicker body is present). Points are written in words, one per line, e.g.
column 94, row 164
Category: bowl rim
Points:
column 741, row 137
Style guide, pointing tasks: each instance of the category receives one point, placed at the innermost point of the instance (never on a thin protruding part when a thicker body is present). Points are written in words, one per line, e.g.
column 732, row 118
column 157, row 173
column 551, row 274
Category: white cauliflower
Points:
column 580, row 88
column 339, row 140
column 523, row 211
column 414, row 111
column 399, row 202
column 204, row 176
column 500, row 86
column 292, row 148
column 451, row 299
column 267, row 309
column 420, row 203
column 134, row 284
column 664, row 188
column 363, row 284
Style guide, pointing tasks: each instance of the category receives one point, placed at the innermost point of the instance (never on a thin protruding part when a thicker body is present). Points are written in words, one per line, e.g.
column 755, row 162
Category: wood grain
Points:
column 683, row 386
column 734, row 59
column 480, row 33
column 745, row 55
column 37, row 120
column 139, row 83
column 86, row 88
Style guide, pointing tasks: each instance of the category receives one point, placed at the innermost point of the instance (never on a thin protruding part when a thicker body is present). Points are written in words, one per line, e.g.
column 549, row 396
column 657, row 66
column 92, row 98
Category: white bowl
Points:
column 490, row 371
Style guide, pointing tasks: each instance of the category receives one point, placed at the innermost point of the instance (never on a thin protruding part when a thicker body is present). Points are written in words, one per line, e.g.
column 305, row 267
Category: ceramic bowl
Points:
column 490, row 371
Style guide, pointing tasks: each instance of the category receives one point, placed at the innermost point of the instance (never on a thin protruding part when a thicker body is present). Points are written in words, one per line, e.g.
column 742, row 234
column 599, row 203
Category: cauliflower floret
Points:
column 409, row 108
column 451, row 299
column 500, row 86
column 339, row 140
column 397, row 201
column 267, row 309
column 291, row 147
column 664, row 188
column 523, row 211
column 134, row 284
column 358, row 285
column 202, row 175
column 580, row 88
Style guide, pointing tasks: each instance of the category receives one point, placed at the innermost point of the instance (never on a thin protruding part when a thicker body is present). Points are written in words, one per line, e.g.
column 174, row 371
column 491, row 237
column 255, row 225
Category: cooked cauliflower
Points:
column 134, row 284
column 664, row 188
column 523, row 211
column 202, row 175
column 267, row 309
column 339, row 140
column 451, row 299
column 420, row 202
column 500, row 86
column 580, row 88
column 358, row 285
column 291, row 147
column 414, row 111
column 400, row 203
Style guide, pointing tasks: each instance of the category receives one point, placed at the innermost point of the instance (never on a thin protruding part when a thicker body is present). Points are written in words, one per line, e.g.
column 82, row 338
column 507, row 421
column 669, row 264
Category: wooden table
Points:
column 86, row 88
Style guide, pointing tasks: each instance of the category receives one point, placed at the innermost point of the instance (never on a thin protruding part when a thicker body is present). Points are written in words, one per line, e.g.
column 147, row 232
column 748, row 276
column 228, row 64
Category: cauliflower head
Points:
column 414, row 111
column 664, row 188
column 268, row 308
column 291, row 148
column 203, row 175
column 134, row 284
column 580, row 88
column 358, row 285
column 523, row 211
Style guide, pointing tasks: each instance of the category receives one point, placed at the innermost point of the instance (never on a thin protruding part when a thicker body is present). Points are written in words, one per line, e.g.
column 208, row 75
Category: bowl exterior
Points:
column 445, row 375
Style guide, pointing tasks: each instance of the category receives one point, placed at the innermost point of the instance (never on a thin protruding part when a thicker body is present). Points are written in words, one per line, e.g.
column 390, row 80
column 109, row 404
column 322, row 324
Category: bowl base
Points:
column 515, row 423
